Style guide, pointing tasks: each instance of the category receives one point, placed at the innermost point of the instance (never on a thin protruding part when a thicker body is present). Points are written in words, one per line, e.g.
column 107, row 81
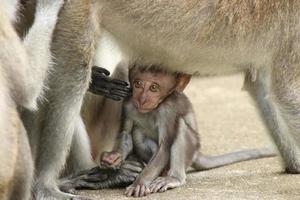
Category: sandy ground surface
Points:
column 228, row 121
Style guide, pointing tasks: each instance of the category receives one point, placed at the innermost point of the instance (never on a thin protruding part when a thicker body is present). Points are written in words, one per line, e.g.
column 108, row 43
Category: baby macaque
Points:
column 160, row 129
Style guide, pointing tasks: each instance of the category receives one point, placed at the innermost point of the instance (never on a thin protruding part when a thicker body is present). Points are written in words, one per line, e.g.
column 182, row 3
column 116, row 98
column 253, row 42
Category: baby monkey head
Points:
column 151, row 85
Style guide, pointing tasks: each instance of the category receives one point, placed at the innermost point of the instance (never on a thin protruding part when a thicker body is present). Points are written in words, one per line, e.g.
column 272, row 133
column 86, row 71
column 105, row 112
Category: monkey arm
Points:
column 122, row 149
column 125, row 145
column 111, row 88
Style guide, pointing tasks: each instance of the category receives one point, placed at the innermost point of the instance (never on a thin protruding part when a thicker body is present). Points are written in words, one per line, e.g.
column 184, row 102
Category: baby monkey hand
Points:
column 112, row 160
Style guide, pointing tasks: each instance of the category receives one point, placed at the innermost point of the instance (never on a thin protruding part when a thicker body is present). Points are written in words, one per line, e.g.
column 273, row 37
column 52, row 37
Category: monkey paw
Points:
column 42, row 191
column 137, row 189
column 161, row 184
column 292, row 170
column 111, row 160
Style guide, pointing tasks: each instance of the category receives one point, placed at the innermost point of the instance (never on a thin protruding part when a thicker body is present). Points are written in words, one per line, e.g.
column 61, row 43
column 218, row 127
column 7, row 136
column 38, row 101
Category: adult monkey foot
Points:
column 111, row 88
column 100, row 178
column 51, row 193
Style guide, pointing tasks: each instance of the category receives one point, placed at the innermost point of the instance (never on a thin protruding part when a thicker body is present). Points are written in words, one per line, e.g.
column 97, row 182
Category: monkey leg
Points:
column 277, row 96
column 80, row 155
column 182, row 152
column 72, row 48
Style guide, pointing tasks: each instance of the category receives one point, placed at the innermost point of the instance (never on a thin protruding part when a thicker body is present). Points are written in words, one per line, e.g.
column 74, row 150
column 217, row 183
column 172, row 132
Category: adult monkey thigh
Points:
column 59, row 116
column 218, row 37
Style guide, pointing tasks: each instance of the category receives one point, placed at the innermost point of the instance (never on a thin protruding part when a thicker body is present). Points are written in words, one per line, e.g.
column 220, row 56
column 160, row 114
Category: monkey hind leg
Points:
column 276, row 92
column 204, row 162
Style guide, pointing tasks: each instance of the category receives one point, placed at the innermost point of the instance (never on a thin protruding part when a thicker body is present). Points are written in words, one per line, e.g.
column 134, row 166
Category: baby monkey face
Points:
column 150, row 89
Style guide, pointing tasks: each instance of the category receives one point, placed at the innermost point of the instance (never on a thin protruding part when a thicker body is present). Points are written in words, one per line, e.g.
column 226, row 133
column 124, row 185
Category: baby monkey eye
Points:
column 154, row 88
column 138, row 83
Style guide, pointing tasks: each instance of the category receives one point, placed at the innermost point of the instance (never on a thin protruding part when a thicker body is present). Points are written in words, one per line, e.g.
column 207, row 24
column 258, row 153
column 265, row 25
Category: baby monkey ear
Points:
column 182, row 81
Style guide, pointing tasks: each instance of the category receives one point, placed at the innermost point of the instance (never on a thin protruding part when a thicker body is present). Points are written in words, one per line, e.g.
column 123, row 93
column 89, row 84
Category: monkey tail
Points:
column 204, row 162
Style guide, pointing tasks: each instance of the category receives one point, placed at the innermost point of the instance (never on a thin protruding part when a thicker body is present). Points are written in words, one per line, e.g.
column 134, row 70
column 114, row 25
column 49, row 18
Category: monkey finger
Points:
column 69, row 190
column 107, row 88
column 144, row 191
column 165, row 188
column 147, row 190
column 110, row 157
column 89, row 185
column 119, row 87
column 129, row 191
column 120, row 93
column 97, row 69
column 156, row 185
column 124, row 90
column 137, row 191
column 157, row 180
column 93, row 179
column 118, row 161
column 119, row 82
column 125, row 179
column 102, row 81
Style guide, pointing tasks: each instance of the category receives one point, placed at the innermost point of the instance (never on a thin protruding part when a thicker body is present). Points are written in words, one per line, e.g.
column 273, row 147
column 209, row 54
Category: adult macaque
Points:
column 160, row 129
column 23, row 68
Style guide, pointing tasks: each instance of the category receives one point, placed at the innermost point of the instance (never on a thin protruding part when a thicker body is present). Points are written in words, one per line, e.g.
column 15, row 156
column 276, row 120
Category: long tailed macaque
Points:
column 160, row 129
column 23, row 68
column 206, row 37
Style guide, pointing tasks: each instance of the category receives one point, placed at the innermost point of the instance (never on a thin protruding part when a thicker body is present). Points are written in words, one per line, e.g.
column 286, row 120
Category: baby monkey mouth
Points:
column 142, row 109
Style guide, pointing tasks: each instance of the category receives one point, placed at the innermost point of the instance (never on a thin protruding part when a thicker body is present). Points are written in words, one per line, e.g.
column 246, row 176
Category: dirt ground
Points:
column 228, row 121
